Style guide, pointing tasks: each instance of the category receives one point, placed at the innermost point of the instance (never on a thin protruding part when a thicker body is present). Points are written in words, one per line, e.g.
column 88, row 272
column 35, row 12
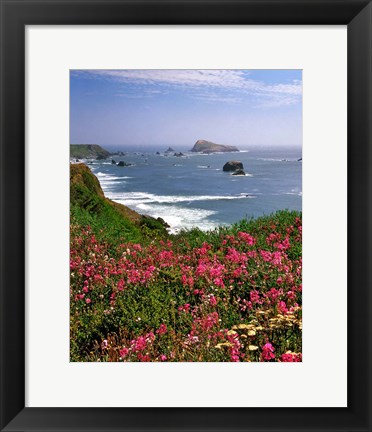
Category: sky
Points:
column 129, row 109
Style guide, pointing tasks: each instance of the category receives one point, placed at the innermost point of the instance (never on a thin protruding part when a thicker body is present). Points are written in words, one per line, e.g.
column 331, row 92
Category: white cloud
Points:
column 201, row 80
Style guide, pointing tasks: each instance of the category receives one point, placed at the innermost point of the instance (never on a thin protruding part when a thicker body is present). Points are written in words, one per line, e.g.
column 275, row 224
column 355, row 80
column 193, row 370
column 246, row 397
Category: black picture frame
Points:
column 15, row 15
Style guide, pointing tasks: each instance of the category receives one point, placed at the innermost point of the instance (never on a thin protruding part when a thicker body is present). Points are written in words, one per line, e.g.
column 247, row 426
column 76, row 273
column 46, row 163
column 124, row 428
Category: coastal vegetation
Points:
column 85, row 151
column 138, row 293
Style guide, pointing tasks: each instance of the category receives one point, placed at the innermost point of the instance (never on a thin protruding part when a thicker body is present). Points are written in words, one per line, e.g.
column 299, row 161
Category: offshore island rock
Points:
column 233, row 166
column 206, row 147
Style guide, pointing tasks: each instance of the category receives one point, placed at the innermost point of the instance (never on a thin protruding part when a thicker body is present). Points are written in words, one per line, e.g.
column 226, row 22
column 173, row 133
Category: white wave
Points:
column 245, row 175
column 293, row 193
column 203, row 166
column 103, row 176
column 270, row 159
column 105, row 183
column 277, row 160
column 248, row 195
column 135, row 198
column 180, row 217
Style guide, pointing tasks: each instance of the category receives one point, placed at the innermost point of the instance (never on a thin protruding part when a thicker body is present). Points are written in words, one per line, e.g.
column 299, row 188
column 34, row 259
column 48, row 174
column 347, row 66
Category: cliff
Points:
column 204, row 146
column 87, row 197
column 86, row 192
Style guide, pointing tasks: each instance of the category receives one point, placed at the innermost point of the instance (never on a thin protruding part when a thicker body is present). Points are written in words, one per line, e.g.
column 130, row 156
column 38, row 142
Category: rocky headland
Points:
column 86, row 193
column 88, row 151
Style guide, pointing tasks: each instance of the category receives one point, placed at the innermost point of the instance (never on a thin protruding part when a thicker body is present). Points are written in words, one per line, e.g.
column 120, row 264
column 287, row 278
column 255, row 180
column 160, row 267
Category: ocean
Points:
column 194, row 191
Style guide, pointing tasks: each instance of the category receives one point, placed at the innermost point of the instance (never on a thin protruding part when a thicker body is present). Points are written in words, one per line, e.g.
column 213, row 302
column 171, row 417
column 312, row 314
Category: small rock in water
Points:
column 122, row 164
column 239, row 172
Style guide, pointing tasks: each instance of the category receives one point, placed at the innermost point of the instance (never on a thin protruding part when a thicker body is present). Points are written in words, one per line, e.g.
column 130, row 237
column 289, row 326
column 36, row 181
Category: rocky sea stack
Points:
column 233, row 166
column 203, row 146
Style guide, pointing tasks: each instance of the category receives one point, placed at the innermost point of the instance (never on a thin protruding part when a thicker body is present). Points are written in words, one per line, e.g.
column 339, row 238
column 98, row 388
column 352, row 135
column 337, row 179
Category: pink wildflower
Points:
column 212, row 300
column 255, row 297
column 291, row 357
column 121, row 284
column 247, row 238
column 162, row 329
column 282, row 307
column 268, row 352
column 124, row 352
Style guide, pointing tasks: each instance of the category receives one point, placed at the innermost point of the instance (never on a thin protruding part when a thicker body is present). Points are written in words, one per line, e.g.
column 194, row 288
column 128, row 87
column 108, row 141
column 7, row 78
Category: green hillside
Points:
column 88, row 151
column 89, row 206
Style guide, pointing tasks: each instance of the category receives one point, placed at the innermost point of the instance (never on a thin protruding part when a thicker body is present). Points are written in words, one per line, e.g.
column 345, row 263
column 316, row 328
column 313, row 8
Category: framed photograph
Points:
column 185, row 215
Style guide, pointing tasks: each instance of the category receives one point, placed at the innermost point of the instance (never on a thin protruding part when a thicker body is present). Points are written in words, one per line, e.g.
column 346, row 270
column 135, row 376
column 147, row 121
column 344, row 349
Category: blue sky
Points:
column 128, row 109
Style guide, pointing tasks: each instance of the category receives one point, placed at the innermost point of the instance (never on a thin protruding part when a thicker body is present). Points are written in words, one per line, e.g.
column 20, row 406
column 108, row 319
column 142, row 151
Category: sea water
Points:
column 194, row 191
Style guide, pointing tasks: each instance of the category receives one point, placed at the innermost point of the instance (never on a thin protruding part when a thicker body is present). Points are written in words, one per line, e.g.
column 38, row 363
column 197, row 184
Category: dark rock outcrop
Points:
column 233, row 166
column 153, row 223
column 239, row 172
column 123, row 164
column 162, row 221
column 113, row 162
column 179, row 154
column 169, row 150
column 203, row 146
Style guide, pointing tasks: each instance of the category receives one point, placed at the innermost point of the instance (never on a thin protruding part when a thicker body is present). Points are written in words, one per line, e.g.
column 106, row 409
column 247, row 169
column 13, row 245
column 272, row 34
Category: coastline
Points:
column 193, row 191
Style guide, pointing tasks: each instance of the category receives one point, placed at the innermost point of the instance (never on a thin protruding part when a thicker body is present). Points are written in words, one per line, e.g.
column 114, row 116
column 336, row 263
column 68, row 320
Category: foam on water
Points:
column 293, row 192
column 103, row 176
column 180, row 217
column 136, row 198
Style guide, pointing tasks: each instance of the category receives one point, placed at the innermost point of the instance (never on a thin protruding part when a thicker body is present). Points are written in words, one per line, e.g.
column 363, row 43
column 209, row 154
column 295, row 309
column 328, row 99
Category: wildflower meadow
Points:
column 233, row 294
